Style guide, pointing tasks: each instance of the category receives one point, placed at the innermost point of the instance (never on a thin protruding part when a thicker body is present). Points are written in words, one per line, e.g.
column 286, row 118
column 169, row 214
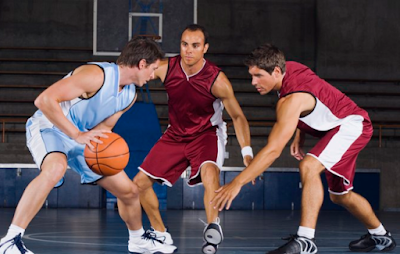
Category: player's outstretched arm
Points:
column 222, row 89
column 288, row 112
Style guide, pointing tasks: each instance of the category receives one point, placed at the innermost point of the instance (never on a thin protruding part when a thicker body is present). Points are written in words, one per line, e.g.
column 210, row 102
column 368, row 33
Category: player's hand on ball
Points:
column 92, row 135
column 225, row 195
column 108, row 157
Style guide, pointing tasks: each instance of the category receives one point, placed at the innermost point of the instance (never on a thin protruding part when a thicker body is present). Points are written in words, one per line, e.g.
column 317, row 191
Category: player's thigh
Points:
column 205, row 154
column 205, row 149
column 166, row 161
column 119, row 184
column 42, row 143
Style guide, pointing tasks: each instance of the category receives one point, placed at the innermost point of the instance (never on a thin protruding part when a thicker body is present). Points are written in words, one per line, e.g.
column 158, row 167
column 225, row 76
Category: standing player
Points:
column 74, row 111
column 197, row 94
column 317, row 108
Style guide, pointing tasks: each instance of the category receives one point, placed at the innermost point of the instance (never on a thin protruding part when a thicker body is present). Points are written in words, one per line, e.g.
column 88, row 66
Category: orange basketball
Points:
column 108, row 158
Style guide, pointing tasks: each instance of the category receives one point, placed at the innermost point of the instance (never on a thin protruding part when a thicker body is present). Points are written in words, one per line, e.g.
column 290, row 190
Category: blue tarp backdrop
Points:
column 140, row 128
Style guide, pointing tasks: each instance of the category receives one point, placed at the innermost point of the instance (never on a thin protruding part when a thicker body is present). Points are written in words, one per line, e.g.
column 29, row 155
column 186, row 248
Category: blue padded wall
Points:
column 279, row 189
column 140, row 128
column 13, row 182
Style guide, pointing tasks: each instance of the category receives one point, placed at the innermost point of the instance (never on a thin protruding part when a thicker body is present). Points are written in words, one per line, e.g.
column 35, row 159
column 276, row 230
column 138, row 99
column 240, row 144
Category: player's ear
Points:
column 277, row 71
column 142, row 64
column 206, row 47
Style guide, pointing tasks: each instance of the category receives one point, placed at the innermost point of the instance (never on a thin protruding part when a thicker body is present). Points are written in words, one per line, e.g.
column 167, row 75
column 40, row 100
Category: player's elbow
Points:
column 41, row 101
column 38, row 101
column 275, row 153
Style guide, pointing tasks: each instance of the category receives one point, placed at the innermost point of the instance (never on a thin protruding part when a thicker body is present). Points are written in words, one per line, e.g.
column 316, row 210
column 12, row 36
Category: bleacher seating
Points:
column 25, row 72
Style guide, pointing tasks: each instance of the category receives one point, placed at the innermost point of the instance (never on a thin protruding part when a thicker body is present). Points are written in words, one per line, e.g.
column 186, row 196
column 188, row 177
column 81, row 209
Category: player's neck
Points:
column 127, row 75
column 191, row 70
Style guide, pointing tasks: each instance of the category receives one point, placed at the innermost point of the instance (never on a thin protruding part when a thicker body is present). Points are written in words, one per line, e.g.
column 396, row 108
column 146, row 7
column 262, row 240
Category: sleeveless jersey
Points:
column 85, row 114
column 332, row 108
column 192, row 107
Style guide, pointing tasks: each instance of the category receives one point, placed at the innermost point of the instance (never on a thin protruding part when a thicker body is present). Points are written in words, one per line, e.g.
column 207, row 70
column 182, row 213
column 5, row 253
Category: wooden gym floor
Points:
column 100, row 231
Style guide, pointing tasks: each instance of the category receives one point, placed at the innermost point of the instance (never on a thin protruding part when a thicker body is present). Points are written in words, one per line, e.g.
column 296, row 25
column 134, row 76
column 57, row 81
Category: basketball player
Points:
column 197, row 93
column 74, row 112
column 313, row 106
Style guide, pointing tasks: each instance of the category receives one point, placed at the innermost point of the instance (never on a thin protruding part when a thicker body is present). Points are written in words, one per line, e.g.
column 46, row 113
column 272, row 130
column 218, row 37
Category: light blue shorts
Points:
column 43, row 139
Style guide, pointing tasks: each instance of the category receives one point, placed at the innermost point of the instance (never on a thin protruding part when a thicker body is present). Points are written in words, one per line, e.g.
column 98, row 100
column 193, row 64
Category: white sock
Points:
column 378, row 231
column 165, row 230
column 12, row 232
column 306, row 232
column 136, row 233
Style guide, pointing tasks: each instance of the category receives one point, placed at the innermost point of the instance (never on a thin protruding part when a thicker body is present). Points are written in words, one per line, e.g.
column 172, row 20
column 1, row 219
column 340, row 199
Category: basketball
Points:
column 108, row 158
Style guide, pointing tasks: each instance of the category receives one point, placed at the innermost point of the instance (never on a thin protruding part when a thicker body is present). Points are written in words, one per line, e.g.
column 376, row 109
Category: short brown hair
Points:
column 267, row 57
column 196, row 27
column 139, row 48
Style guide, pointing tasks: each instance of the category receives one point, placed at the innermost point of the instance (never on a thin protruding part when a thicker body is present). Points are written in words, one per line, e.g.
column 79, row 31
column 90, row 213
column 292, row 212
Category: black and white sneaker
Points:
column 209, row 248
column 165, row 237
column 149, row 243
column 14, row 246
column 296, row 245
column 213, row 236
column 369, row 242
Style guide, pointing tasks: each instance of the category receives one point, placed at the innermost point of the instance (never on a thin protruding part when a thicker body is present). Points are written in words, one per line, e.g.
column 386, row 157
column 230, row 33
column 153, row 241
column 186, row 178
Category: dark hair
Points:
column 196, row 27
column 139, row 48
column 266, row 57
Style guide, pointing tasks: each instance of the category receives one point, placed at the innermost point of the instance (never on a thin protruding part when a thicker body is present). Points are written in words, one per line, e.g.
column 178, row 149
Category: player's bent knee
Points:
column 339, row 199
column 209, row 173
column 135, row 190
column 129, row 193
column 142, row 182
column 54, row 173
column 310, row 167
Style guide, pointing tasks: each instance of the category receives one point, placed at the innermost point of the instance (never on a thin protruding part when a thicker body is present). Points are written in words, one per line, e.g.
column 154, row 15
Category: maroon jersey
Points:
column 192, row 107
column 332, row 108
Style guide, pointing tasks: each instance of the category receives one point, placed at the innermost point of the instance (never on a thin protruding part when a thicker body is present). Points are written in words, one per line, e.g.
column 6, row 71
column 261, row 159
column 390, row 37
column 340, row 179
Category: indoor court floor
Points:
column 100, row 231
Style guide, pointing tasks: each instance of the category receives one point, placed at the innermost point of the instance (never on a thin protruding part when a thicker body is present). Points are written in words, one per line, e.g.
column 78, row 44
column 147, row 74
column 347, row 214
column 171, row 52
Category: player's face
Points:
column 193, row 47
column 262, row 80
column 147, row 73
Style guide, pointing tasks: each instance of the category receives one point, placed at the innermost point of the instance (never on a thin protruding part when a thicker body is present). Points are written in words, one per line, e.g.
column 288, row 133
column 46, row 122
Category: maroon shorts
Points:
column 172, row 155
column 338, row 150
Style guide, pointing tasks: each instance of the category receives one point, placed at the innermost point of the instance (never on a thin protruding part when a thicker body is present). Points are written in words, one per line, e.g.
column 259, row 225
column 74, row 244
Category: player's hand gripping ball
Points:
column 108, row 158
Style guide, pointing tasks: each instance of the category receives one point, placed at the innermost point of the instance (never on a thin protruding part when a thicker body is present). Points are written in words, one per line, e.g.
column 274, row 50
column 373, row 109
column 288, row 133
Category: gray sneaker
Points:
column 213, row 236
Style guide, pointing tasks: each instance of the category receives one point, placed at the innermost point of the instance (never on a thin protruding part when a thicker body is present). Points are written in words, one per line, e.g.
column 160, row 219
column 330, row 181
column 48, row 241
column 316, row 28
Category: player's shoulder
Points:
column 90, row 69
column 292, row 66
column 222, row 78
column 222, row 85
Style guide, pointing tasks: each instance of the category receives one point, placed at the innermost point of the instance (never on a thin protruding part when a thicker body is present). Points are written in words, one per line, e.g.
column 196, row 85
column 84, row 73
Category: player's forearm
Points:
column 242, row 131
column 260, row 163
column 54, row 113
column 62, row 123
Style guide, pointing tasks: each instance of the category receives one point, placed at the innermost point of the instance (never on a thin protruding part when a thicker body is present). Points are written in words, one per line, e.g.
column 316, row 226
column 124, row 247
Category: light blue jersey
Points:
column 44, row 138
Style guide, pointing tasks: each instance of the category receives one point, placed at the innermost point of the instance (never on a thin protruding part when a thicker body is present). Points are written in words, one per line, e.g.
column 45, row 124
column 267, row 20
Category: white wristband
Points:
column 247, row 150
